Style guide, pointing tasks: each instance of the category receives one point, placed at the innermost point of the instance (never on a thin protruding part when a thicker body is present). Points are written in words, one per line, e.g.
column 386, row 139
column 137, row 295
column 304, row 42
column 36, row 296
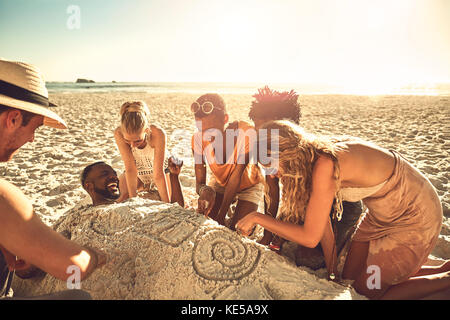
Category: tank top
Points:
column 222, row 172
column 144, row 163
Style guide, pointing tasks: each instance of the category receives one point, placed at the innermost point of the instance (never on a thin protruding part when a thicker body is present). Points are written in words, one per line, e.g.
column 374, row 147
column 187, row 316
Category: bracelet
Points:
column 274, row 247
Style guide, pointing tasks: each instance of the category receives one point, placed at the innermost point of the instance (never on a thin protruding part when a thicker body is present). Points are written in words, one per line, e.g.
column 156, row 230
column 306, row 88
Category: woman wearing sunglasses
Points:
column 233, row 176
column 143, row 146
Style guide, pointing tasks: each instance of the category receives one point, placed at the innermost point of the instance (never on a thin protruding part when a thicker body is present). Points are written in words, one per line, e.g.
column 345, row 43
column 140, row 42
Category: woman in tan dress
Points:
column 397, row 233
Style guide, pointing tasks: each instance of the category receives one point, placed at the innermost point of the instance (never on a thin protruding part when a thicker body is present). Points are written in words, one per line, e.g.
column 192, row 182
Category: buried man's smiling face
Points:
column 102, row 183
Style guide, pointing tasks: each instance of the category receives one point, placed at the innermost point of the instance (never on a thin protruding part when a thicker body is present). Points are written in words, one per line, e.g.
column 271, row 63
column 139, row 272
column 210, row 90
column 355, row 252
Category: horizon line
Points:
column 244, row 82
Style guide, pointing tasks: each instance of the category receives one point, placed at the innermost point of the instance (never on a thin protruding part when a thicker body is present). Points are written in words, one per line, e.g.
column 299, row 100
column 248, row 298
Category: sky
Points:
column 353, row 43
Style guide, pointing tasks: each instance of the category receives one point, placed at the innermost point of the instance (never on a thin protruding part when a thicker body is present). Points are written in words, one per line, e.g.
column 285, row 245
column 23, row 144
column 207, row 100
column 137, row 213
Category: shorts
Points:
column 345, row 228
column 253, row 194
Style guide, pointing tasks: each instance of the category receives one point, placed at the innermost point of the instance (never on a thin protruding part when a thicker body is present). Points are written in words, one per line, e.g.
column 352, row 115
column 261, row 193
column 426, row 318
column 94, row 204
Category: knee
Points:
column 364, row 287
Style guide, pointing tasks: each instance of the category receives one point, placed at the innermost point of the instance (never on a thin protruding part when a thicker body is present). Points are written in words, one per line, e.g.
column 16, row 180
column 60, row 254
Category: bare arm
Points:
column 177, row 193
column 207, row 195
column 274, row 194
column 200, row 176
column 272, row 209
column 24, row 235
column 230, row 191
column 328, row 244
column 317, row 212
column 199, row 161
column 243, row 148
column 159, row 143
column 129, row 163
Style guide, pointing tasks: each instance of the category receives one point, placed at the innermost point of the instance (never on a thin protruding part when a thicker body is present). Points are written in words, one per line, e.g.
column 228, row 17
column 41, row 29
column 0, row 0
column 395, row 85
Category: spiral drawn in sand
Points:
column 221, row 255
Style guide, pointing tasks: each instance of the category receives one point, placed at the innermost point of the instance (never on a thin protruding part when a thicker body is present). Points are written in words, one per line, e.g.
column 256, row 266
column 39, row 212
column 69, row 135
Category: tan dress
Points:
column 402, row 222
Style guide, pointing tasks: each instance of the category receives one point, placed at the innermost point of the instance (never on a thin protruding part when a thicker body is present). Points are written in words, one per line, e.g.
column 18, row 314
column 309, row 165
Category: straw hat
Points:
column 22, row 87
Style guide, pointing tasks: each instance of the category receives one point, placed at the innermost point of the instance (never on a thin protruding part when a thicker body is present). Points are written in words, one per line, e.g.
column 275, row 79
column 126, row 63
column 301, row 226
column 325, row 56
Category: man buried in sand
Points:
column 392, row 242
column 102, row 184
column 226, row 151
column 272, row 105
column 25, row 240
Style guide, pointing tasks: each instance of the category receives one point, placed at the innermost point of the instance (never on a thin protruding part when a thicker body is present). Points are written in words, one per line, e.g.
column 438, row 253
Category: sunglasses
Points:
column 207, row 107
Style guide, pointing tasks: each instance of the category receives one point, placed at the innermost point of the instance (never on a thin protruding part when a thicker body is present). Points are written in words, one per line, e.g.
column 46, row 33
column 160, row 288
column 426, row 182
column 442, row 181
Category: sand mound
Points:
column 161, row 251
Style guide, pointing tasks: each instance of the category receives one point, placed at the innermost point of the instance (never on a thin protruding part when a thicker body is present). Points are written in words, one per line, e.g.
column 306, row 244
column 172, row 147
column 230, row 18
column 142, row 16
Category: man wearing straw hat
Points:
column 24, row 239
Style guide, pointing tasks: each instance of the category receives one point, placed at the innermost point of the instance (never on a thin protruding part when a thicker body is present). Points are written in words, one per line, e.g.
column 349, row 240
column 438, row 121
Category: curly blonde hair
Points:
column 134, row 116
column 298, row 152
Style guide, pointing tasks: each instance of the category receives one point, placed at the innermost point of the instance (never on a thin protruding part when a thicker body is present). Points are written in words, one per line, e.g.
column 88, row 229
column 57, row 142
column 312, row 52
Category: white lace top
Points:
column 144, row 163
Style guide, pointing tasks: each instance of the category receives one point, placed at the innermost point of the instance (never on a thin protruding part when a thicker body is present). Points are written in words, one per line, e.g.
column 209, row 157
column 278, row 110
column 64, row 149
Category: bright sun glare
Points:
column 355, row 46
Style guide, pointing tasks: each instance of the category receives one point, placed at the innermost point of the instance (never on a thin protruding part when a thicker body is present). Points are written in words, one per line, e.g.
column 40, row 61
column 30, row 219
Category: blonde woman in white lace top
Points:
column 142, row 147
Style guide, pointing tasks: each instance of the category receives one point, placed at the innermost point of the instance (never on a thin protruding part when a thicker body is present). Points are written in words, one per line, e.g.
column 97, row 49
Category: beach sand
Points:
column 48, row 172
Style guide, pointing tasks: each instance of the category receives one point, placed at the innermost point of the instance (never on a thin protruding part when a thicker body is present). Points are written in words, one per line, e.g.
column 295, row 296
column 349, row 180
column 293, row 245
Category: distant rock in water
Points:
column 84, row 81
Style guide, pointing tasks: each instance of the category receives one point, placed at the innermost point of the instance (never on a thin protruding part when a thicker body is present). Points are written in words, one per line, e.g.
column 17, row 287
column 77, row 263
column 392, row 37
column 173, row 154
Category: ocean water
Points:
column 153, row 87
column 235, row 88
